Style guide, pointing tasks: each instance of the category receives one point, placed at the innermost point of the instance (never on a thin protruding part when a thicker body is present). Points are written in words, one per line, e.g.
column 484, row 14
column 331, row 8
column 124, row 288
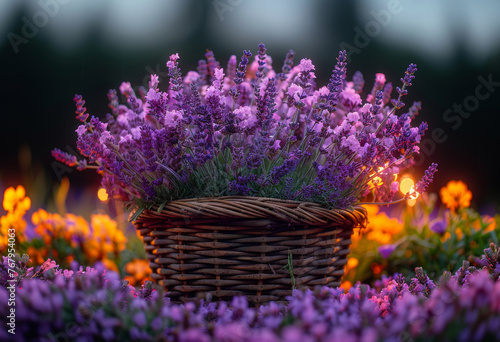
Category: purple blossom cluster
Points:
column 95, row 304
column 248, row 130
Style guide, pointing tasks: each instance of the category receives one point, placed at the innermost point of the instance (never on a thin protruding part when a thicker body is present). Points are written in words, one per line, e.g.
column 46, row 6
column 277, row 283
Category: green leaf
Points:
column 136, row 214
column 161, row 207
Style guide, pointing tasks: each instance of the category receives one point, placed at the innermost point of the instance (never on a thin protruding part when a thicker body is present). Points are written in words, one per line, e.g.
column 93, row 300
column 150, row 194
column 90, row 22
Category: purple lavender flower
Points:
column 386, row 250
column 231, row 67
column 337, row 80
column 287, row 65
column 421, row 283
column 426, row 179
column 98, row 305
column 262, row 61
column 209, row 132
column 412, row 68
column 358, row 81
column 174, row 72
column 80, row 109
column 240, row 73
column 438, row 227
column 285, row 168
column 64, row 157
column 240, row 187
column 212, row 64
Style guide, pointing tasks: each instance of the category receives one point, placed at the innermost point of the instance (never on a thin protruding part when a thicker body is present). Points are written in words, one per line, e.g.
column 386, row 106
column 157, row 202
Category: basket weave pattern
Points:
column 233, row 245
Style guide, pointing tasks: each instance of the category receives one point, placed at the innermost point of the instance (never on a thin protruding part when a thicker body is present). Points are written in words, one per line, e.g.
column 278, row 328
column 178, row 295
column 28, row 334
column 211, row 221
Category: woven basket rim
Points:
column 251, row 207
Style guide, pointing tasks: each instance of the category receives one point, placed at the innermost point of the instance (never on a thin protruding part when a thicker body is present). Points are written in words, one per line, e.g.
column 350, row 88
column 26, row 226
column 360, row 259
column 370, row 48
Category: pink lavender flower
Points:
column 351, row 143
column 295, row 91
column 173, row 61
column 306, row 65
column 380, row 78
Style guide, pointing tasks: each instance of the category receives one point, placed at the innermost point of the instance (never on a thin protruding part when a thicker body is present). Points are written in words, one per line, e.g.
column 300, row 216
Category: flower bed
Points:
column 438, row 233
column 68, row 238
column 95, row 304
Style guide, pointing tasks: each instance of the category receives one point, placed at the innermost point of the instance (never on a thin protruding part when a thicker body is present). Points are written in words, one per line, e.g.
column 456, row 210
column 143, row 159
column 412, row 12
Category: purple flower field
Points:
column 94, row 304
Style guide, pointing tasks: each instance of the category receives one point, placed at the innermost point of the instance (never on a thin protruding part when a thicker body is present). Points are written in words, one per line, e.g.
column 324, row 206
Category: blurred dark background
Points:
column 52, row 49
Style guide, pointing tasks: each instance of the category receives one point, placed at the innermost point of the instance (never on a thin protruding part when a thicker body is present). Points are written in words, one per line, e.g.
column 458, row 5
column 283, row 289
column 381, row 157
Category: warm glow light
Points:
column 377, row 181
column 406, row 184
column 102, row 194
column 413, row 194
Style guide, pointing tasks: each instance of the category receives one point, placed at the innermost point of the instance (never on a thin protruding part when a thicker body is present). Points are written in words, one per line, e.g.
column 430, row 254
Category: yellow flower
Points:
column 459, row 233
column 92, row 249
column 455, row 195
column 105, row 237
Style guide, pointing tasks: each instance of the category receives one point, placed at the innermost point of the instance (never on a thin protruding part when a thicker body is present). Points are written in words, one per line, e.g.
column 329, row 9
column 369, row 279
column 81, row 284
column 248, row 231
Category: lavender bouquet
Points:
column 252, row 131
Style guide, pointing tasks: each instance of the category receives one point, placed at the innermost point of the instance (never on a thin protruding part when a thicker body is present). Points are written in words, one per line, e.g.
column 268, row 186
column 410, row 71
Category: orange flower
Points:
column 352, row 263
column 110, row 264
column 53, row 226
column 37, row 256
column 350, row 267
column 381, row 228
column 14, row 199
column 455, row 195
column 139, row 271
column 346, row 285
column 16, row 205
column 107, row 234
column 445, row 237
column 492, row 224
column 376, row 268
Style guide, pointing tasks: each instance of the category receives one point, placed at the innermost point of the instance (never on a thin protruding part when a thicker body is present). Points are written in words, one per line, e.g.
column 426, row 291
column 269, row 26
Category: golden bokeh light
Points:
column 406, row 184
column 102, row 195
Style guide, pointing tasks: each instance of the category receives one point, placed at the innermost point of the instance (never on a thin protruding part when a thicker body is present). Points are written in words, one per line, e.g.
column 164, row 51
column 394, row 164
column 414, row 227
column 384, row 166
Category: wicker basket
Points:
column 228, row 246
